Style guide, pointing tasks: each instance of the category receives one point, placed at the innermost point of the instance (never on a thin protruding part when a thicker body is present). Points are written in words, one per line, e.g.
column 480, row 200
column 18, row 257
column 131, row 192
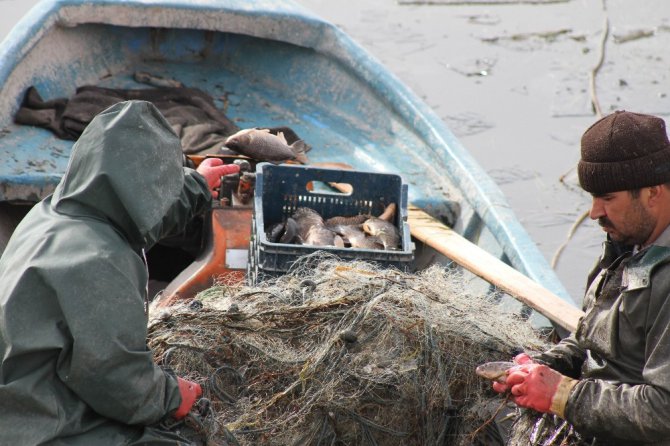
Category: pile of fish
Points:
column 364, row 231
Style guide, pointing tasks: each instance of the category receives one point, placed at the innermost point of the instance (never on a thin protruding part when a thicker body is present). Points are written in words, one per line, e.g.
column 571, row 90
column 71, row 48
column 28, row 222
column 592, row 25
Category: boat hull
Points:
column 265, row 63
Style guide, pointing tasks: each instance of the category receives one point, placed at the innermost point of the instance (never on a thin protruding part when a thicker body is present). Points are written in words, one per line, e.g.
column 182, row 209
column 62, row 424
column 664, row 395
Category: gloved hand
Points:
column 539, row 387
column 521, row 358
column 213, row 169
column 189, row 392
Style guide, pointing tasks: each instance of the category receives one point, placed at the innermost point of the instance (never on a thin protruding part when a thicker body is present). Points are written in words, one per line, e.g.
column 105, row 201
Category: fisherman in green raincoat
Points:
column 75, row 367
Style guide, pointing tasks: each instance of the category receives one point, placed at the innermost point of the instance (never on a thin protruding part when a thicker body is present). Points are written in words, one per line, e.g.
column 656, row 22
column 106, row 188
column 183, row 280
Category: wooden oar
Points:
column 478, row 261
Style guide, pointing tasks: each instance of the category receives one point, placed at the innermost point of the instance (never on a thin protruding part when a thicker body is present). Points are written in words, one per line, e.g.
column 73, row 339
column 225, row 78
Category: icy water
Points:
column 513, row 81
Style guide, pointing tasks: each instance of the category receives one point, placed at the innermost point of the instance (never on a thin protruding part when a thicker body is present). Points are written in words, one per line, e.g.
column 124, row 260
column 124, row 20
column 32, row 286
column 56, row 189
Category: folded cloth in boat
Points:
column 201, row 126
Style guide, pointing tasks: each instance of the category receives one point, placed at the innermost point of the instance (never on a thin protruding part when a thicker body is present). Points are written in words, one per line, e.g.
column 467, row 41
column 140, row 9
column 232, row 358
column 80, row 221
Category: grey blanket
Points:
column 201, row 127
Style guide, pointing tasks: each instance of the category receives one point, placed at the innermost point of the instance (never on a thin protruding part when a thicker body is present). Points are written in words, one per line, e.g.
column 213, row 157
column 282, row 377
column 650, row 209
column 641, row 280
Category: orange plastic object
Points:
column 224, row 258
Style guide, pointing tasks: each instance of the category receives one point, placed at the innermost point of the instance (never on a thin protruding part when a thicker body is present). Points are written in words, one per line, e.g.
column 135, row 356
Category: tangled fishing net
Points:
column 342, row 353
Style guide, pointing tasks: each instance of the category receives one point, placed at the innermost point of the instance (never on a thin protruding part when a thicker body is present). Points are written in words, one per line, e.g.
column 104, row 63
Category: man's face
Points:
column 624, row 217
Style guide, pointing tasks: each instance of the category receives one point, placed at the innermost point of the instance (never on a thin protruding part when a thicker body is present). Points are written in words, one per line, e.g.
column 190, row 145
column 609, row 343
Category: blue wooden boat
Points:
column 269, row 63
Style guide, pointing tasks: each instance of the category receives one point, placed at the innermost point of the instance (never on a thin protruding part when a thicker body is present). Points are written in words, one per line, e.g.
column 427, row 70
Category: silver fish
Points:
column 347, row 221
column 306, row 218
column 322, row 236
column 274, row 232
column 355, row 237
column 290, row 231
column 384, row 230
column 286, row 232
column 387, row 215
column 312, row 229
column 494, row 371
column 262, row 145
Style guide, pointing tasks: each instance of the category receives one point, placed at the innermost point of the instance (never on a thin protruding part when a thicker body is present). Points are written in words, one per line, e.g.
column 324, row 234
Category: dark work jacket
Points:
column 74, row 366
column 620, row 351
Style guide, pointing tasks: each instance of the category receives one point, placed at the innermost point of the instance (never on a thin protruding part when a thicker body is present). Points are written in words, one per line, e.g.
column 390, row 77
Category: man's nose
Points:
column 597, row 209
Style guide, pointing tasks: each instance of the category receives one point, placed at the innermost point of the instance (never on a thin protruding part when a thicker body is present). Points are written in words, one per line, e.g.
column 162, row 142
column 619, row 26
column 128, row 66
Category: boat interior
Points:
column 257, row 82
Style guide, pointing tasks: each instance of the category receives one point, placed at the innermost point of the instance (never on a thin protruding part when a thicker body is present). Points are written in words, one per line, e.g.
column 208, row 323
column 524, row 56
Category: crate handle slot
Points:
column 342, row 189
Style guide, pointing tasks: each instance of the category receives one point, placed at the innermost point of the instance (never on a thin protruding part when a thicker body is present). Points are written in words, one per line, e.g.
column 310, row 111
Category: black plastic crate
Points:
column 280, row 190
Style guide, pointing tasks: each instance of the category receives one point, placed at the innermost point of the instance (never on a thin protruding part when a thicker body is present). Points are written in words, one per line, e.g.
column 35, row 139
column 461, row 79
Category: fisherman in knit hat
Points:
column 610, row 379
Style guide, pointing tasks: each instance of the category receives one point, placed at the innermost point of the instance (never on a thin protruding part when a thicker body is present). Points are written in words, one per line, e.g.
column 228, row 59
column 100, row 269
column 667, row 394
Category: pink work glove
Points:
column 539, row 387
column 213, row 169
column 520, row 359
column 189, row 392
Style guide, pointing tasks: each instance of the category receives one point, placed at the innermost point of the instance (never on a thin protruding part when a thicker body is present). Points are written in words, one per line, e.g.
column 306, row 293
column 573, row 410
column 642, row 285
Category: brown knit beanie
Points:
column 624, row 151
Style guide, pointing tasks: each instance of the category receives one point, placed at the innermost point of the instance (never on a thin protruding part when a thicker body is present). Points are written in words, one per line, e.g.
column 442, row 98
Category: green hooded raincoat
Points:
column 75, row 367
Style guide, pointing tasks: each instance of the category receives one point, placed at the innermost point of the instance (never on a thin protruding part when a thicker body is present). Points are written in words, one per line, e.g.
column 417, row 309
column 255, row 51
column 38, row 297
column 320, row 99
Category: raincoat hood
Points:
column 74, row 364
column 128, row 165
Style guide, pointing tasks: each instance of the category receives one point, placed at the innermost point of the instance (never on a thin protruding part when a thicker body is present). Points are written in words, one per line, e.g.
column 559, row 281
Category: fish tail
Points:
column 290, row 231
column 299, row 149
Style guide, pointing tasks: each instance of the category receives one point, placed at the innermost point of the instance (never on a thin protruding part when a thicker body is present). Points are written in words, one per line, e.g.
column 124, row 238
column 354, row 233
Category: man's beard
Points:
column 631, row 235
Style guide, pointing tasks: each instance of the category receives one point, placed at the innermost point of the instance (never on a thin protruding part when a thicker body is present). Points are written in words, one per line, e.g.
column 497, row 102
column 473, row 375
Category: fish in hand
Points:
column 289, row 135
column 262, row 145
column 494, row 371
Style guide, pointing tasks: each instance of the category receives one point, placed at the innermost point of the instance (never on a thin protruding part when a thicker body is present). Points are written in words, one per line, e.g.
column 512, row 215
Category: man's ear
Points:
column 657, row 194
